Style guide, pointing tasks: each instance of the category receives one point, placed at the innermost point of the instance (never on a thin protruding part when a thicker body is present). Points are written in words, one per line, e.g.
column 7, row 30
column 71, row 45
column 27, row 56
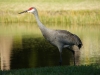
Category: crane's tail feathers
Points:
column 80, row 45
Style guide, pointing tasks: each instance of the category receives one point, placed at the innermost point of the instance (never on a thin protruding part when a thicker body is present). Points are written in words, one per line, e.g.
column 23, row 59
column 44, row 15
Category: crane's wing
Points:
column 69, row 38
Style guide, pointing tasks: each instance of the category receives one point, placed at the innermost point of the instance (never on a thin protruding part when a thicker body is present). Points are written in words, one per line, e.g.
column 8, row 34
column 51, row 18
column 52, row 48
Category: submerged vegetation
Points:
column 60, row 70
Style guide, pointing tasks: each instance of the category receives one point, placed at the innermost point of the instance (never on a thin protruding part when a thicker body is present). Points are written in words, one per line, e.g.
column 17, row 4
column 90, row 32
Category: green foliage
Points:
column 59, row 70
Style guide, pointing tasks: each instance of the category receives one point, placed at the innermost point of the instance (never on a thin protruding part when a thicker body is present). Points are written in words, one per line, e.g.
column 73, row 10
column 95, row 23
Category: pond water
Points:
column 23, row 46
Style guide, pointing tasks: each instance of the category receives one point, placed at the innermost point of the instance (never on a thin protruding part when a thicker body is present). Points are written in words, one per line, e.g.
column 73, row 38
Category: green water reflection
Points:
column 36, row 52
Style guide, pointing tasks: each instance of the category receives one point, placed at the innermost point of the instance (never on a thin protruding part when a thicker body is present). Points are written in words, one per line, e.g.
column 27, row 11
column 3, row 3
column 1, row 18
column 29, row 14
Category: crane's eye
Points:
column 31, row 8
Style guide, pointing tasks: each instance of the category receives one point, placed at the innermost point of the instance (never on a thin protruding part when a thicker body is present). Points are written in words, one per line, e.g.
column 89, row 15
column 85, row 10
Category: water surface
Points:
column 23, row 46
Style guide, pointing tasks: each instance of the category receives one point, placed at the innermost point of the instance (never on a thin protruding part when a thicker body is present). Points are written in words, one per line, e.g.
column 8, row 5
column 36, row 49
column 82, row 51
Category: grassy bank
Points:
column 60, row 70
column 70, row 17
column 70, row 12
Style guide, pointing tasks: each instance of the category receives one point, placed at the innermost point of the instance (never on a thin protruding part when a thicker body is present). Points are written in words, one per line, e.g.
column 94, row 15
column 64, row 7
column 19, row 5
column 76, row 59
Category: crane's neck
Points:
column 41, row 26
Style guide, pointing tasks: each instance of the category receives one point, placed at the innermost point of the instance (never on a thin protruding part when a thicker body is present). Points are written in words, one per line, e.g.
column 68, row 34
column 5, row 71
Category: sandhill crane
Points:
column 59, row 38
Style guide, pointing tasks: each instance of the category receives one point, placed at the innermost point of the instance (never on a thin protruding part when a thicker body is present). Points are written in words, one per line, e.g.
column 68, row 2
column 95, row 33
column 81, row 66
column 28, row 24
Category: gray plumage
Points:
column 60, row 38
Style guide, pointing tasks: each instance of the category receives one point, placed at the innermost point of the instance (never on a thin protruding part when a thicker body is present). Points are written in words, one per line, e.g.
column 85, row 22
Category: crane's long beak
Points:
column 23, row 12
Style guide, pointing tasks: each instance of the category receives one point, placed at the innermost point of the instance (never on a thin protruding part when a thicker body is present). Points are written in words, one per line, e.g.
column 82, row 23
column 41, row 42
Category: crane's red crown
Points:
column 31, row 8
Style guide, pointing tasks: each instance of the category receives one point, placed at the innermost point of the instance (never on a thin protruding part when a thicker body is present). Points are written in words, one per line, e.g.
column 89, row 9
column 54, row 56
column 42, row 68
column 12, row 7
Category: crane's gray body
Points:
column 60, row 38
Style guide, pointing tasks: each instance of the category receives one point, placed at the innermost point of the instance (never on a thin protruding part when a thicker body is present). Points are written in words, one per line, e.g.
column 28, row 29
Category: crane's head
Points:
column 31, row 10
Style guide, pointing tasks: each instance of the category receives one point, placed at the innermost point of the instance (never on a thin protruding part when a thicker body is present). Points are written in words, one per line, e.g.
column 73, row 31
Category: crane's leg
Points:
column 76, row 55
column 60, row 61
column 74, row 58
column 60, row 50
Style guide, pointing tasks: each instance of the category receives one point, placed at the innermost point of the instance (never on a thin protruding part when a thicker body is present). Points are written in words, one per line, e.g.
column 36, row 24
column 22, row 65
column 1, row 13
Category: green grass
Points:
column 60, row 70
